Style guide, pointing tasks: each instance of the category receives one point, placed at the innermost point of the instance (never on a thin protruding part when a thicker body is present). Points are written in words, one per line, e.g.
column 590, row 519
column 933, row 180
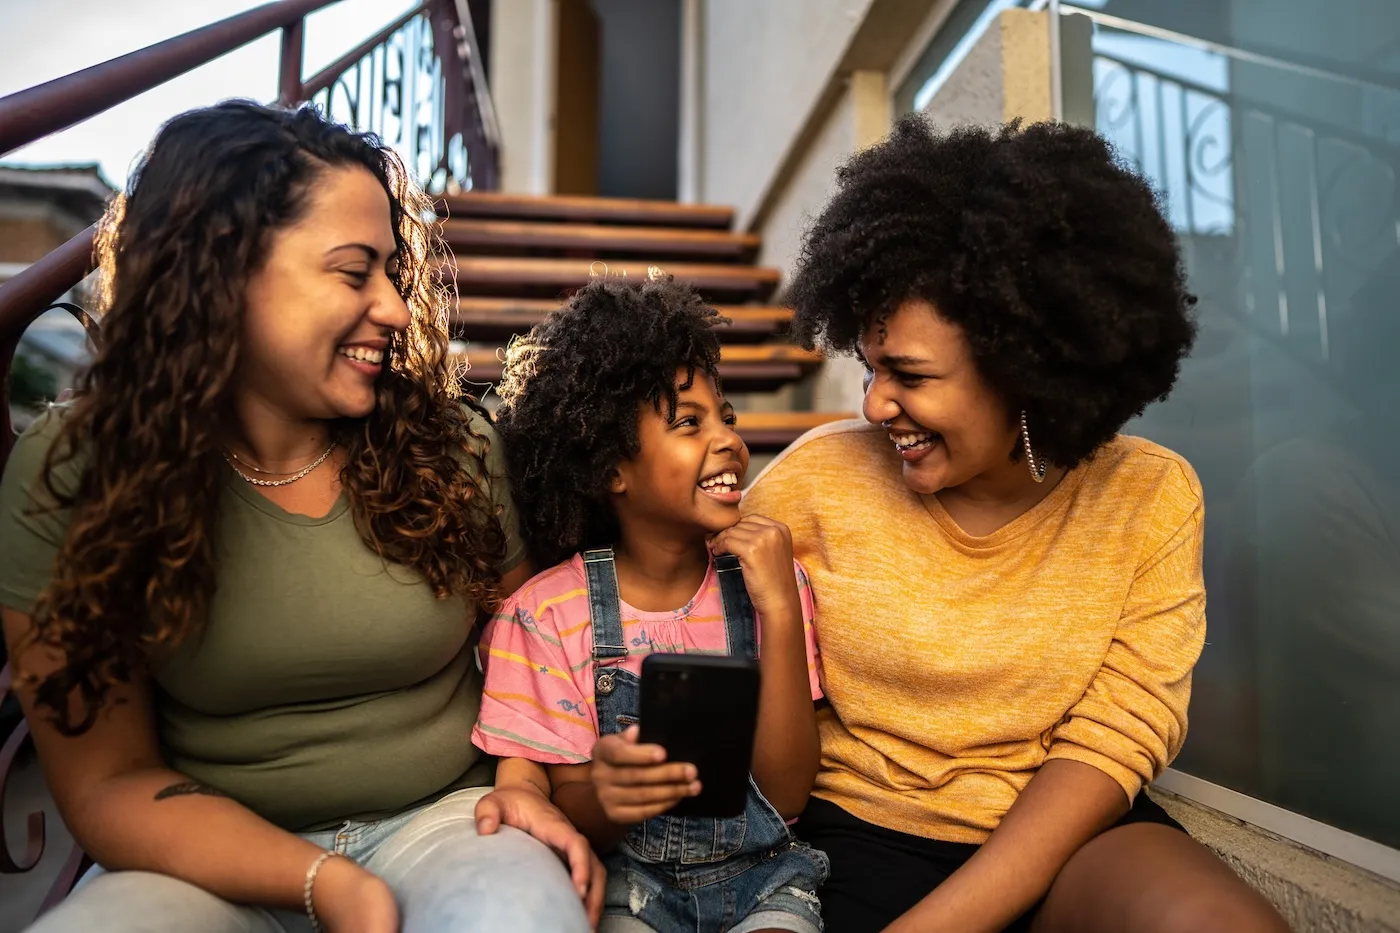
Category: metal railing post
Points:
column 293, row 45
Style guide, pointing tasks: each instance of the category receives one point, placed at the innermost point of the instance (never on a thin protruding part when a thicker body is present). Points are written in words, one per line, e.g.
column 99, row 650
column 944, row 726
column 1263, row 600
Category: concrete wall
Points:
column 972, row 93
column 1004, row 76
column 765, row 65
column 522, row 87
column 1314, row 893
column 860, row 118
column 807, row 189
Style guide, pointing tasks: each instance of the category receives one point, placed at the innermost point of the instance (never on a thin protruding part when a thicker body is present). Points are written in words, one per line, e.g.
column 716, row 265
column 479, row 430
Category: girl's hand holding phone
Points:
column 635, row 782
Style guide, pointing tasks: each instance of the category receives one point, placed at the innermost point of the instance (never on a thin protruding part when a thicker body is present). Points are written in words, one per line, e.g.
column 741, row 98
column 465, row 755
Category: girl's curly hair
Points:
column 1052, row 257
column 572, row 392
column 136, row 570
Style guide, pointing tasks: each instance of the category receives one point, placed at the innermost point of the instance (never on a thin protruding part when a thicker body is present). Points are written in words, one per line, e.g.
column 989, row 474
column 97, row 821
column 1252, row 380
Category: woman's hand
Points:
column 525, row 807
column 764, row 549
column 635, row 782
column 349, row 899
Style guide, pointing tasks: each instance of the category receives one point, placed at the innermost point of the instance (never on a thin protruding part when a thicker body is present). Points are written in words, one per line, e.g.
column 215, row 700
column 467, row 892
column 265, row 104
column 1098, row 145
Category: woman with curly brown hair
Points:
column 242, row 568
column 1010, row 591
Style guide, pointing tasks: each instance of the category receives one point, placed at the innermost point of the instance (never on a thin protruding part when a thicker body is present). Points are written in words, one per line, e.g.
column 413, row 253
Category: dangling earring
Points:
column 1037, row 467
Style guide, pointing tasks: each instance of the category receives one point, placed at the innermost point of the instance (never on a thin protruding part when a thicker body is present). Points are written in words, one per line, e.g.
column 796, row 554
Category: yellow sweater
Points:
column 958, row 665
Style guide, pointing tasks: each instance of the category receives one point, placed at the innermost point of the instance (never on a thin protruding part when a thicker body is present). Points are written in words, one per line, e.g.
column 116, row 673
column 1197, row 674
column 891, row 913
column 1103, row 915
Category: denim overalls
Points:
column 695, row 875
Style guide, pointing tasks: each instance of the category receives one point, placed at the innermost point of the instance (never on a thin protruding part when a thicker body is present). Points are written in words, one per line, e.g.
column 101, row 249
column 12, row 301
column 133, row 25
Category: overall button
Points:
column 606, row 684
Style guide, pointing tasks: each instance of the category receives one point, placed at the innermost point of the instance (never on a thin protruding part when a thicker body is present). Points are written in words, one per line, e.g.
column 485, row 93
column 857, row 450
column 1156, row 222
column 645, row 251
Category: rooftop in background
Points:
column 80, row 189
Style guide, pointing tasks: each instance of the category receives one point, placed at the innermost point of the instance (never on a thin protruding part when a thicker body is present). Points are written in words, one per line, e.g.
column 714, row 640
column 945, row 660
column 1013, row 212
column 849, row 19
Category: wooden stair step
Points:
column 512, row 237
column 477, row 275
column 771, row 353
column 772, row 431
column 586, row 210
column 486, row 319
column 741, row 368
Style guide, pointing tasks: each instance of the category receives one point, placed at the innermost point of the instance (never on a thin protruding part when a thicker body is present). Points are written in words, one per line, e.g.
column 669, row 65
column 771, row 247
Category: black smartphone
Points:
column 703, row 709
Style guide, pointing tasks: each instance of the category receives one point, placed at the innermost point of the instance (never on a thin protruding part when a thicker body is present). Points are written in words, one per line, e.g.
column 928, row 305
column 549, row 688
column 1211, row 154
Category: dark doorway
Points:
column 639, row 97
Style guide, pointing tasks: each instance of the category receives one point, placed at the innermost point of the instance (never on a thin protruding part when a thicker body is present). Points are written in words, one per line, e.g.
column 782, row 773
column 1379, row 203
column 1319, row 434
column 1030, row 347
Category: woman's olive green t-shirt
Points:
column 326, row 684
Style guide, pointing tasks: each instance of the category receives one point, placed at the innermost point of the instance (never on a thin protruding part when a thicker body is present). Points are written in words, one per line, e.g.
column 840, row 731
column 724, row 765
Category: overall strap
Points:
column 739, row 626
column 603, row 602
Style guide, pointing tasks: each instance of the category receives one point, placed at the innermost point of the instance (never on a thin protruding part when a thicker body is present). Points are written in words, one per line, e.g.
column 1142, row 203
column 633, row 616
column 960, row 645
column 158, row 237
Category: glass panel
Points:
column 1277, row 148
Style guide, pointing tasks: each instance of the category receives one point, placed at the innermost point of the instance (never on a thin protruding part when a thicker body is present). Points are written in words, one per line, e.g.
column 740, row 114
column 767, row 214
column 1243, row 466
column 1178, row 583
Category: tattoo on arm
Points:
column 186, row 788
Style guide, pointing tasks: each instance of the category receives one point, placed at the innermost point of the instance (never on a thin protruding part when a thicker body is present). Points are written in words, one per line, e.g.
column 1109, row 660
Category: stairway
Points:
column 519, row 256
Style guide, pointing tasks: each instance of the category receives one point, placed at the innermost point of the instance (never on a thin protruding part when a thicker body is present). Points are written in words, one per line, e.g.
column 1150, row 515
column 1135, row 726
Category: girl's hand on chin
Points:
column 764, row 549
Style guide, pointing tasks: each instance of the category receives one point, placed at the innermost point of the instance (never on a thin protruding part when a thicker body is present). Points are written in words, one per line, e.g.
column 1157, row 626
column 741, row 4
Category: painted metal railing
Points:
column 1299, row 203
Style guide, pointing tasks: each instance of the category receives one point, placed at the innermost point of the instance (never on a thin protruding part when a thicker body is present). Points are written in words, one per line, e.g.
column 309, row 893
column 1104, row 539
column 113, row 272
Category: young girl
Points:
column 621, row 445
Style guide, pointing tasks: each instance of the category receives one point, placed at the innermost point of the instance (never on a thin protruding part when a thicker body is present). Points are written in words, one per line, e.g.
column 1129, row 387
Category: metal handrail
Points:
column 326, row 76
column 1196, row 136
column 471, row 51
column 1376, row 145
column 1218, row 48
column 39, row 111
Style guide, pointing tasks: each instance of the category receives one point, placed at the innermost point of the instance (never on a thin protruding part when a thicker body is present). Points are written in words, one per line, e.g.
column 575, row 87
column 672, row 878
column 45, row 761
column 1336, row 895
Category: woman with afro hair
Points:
column 1011, row 591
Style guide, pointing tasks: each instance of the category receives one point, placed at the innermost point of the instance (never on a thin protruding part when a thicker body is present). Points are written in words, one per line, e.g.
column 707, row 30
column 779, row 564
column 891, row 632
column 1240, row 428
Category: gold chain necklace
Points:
column 232, row 459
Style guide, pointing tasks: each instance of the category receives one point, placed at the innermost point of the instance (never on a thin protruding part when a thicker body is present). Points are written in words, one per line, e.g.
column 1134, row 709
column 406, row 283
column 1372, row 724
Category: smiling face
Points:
column 923, row 387
column 687, row 475
column 322, row 308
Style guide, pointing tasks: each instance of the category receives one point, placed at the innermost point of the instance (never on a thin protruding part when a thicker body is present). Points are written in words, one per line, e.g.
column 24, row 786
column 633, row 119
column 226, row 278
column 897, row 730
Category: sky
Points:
column 46, row 39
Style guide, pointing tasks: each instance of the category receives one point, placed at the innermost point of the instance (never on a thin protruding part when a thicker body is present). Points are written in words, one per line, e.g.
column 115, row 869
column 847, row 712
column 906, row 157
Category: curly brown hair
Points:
column 136, row 570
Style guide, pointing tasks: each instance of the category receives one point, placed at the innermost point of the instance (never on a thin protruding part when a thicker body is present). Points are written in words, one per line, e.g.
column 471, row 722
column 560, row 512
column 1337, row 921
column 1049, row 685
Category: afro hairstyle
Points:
column 572, row 392
column 1051, row 256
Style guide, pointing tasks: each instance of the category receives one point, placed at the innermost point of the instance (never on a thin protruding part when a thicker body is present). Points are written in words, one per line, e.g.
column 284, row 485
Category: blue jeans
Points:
column 446, row 878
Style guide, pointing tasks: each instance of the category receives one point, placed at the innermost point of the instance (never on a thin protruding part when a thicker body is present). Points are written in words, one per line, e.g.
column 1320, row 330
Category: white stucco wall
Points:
column 522, row 89
column 837, row 386
column 765, row 65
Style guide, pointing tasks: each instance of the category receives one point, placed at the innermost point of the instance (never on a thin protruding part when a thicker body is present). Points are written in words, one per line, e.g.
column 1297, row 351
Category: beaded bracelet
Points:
column 306, row 889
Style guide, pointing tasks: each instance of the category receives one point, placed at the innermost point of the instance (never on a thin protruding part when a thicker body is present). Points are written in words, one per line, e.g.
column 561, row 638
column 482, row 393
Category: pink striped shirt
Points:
column 538, row 655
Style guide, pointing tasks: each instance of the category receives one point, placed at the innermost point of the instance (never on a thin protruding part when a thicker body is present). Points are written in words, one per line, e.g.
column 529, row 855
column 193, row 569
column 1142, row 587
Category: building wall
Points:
column 765, row 65
column 1005, row 76
column 973, row 93
column 522, row 88
column 25, row 239
column 838, row 386
column 31, row 227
